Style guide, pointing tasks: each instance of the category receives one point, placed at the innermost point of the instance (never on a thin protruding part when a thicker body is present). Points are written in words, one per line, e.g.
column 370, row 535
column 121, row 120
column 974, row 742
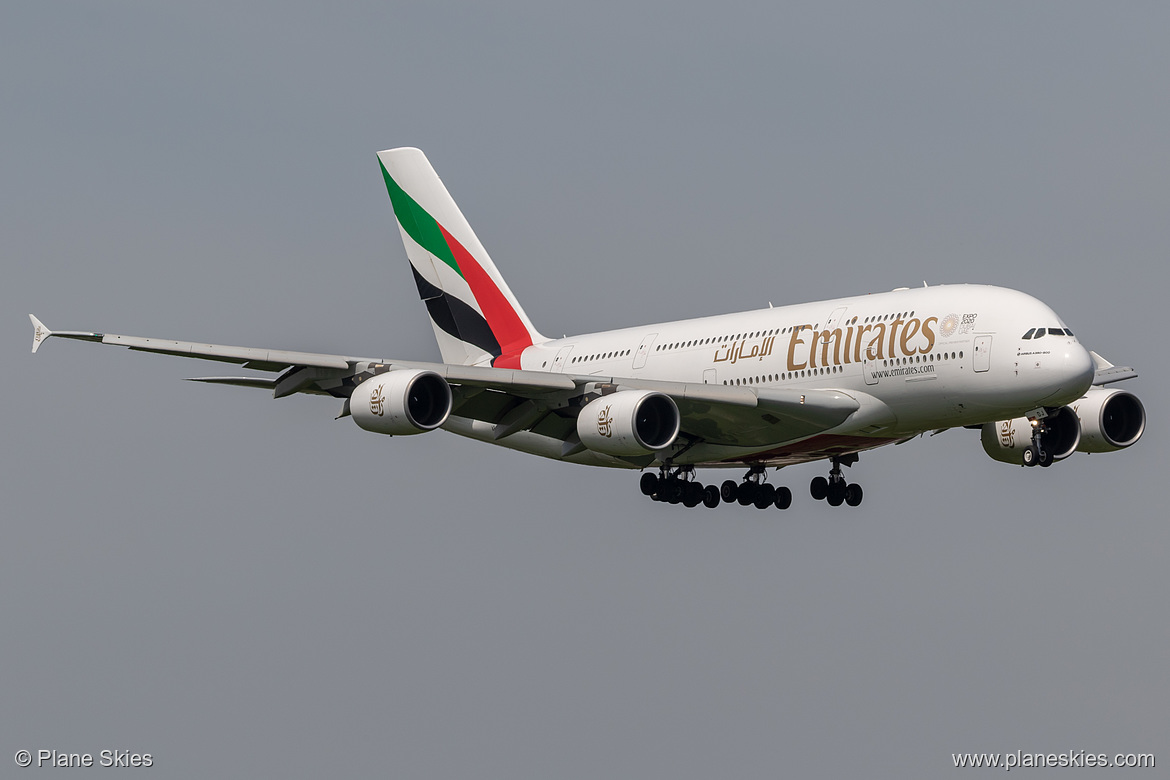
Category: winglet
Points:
column 40, row 333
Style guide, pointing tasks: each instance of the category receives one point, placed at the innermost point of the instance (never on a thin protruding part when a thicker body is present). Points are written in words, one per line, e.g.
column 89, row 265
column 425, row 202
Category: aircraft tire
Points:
column 765, row 495
column 853, row 494
column 648, row 483
column 1045, row 459
column 711, row 497
column 819, row 488
column 1030, row 456
column 729, row 491
column 745, row 493
column 783, row 498
column 836, row 495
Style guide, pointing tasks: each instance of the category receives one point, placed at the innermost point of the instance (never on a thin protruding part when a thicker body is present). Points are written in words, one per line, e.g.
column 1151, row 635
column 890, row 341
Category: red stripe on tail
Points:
column 501, row 317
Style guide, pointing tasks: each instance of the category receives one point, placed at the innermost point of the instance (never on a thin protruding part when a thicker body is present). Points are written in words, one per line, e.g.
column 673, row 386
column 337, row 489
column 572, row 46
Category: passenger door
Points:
column 981, row 360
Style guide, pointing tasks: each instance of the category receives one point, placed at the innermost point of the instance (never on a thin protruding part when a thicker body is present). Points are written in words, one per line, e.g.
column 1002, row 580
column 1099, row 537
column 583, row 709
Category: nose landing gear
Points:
column 1038, row 454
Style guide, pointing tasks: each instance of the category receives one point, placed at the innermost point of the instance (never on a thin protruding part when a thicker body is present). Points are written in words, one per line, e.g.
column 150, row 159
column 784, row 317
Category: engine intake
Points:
column 629, row 422
column 1110, row 420
column 401, row 403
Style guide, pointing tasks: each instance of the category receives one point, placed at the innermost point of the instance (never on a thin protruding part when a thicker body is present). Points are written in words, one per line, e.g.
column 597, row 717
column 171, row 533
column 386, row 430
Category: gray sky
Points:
column 244, row 587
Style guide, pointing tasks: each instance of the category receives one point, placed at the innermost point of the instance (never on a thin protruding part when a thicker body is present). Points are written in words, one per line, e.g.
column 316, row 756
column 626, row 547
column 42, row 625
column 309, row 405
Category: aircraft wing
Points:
column 1108, row 373
column 514, row 400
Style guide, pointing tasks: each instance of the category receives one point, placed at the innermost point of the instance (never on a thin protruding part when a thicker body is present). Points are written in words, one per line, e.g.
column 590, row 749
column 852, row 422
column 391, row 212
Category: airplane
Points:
column 753, row 391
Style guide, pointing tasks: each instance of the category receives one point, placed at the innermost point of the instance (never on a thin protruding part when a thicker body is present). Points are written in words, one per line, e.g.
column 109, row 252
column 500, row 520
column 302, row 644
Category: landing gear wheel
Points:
column 649, row 484
column 765, row 495
column 711, row 497
column 853, row 494
column 783, row 498
column 1045, row 458
column 836, row 495
column 729, row 491
column 747, row 493
column 674, row 491
column 1031, row 456
column 819, row 487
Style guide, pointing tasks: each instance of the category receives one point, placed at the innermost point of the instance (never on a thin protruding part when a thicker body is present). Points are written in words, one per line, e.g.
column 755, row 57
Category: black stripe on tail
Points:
column 455, row 317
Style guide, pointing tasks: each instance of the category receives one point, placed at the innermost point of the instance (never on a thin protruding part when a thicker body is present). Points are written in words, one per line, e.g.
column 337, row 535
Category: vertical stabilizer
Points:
column 477, row 319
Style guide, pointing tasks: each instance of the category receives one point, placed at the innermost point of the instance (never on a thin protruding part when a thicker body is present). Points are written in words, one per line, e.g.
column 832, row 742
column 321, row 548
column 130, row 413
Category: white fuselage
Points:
column 917, row 359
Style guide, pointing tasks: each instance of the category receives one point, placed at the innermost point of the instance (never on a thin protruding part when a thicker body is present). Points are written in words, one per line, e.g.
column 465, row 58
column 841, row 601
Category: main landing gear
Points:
column 679, row 486
column 834, row 489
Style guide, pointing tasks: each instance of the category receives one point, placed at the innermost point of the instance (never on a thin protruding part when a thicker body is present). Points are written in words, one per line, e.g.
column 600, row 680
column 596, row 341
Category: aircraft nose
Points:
column 1079, row 367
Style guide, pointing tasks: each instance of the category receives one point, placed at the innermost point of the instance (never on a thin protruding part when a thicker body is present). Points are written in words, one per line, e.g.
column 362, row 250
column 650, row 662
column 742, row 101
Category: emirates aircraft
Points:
column 752, row 392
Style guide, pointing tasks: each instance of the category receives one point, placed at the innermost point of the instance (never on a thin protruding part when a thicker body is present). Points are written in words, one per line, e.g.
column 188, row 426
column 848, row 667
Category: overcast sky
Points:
column 245, row 587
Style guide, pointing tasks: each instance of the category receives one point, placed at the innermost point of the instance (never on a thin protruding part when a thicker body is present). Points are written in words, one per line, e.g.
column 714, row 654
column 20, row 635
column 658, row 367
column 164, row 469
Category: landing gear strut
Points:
column 834, row 489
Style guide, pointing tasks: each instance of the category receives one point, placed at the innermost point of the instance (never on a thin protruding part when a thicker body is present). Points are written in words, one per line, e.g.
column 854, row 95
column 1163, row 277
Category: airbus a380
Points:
column 754, row 391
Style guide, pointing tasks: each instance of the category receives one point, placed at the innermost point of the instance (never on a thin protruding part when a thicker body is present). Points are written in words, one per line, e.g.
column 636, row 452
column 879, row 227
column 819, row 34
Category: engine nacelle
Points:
column 1006, row 440
column 401, row 403
column 1110, row 420
column 629, row 422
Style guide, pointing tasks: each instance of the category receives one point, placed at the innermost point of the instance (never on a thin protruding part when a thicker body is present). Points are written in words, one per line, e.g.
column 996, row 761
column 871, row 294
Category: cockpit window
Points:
column 1068, row 332
column 1028, row 335
column 1039, row 333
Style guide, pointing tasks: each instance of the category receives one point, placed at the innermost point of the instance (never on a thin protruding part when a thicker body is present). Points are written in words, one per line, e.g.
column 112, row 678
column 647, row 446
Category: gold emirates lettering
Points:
column 845, row 345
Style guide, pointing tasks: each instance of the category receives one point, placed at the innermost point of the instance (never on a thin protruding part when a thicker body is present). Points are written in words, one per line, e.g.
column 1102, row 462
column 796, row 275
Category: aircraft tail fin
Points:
column 476, row 317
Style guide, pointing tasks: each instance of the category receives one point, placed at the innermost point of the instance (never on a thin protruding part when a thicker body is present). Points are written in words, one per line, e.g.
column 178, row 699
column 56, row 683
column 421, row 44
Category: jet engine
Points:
column 629, row 422
column 1110, row 420
column 401, row 403
column 1006, row 440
